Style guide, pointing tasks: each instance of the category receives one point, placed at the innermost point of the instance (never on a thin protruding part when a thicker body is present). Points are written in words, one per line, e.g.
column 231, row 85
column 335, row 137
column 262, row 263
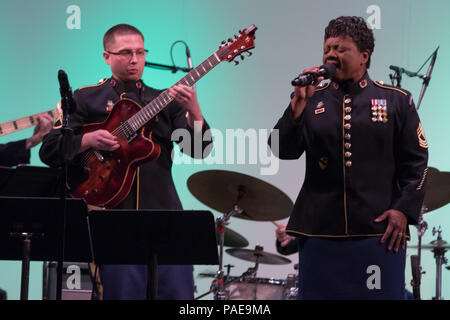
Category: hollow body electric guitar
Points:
column 111, row 174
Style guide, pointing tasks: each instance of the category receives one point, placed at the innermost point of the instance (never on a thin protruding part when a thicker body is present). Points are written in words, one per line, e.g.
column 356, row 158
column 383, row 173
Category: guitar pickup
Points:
column 131, row 137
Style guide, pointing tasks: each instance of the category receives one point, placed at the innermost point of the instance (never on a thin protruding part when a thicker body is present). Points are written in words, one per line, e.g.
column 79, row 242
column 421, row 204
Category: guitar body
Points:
column 111, row 174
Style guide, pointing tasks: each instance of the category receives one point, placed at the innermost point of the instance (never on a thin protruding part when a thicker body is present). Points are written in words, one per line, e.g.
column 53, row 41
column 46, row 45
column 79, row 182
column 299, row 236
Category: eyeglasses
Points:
column 140, row 53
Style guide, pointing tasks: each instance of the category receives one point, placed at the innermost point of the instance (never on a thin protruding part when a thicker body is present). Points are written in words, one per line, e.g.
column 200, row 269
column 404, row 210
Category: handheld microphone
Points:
column 327, row 71
column 66, row 92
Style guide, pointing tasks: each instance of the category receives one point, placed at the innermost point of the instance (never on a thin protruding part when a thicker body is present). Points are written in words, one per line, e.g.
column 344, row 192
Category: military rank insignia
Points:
column 421, row 135
column 379, row 110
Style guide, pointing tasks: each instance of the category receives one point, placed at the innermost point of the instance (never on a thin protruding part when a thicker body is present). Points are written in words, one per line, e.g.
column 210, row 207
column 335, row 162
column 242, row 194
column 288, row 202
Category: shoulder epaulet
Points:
column 100, row 82
column 322, row 86
column 381, row 85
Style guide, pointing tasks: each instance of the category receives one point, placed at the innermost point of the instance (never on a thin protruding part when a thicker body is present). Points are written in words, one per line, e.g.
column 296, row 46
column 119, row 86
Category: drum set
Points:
column 241, row 196
column 437, row 195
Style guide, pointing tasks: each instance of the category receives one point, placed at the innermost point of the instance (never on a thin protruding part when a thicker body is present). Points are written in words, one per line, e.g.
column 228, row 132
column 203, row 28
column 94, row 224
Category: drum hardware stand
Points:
column 416, row 266
column 220, row 293
column 291, row 292
column 251, row 272
column 439, row 255
column 228, row 266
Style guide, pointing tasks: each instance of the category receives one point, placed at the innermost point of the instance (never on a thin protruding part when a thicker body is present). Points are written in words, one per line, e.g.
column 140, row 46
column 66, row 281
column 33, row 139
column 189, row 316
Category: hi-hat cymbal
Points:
column 437, row 190
column 263, row 257
column 232, row 239
column 221, row 190
column 433, row 244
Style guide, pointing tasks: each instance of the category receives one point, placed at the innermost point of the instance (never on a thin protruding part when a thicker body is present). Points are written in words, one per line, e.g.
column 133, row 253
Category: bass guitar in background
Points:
column 25, row 122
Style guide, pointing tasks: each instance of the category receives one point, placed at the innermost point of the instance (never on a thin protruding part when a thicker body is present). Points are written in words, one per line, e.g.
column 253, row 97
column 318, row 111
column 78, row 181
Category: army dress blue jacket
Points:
column 365, row 153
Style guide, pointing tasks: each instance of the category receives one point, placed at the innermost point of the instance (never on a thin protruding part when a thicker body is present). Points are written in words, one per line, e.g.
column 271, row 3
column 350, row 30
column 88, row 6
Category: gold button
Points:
column 348, row 154
column 347, row 126
column 347, row 117
column 347, row 136
column 348, row 109
column 347, row 145
column 374, row 119
column 348, row 164
column 348, row 100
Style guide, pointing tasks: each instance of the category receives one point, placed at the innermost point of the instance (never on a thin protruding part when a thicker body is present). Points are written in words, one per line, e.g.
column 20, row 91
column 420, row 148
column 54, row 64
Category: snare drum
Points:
column 256, row 288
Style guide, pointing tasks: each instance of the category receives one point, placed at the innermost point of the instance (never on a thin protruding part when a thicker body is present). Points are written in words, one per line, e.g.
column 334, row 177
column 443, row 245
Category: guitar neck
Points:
column 24, row 123
column 159, row 103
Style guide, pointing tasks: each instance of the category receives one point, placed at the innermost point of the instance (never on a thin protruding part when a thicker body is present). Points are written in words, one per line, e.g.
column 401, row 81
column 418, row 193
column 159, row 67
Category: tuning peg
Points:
column 249, row 53
column 223, row 42
column 236, row 62
column 230, row 40
column 242, row 57
column 240, row 30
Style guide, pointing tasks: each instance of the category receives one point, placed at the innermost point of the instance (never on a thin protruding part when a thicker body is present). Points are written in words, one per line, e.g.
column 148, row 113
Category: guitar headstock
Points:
column 241, row 43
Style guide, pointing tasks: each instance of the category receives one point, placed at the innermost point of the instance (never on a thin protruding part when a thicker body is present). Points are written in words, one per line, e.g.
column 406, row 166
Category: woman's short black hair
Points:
column 354, row 27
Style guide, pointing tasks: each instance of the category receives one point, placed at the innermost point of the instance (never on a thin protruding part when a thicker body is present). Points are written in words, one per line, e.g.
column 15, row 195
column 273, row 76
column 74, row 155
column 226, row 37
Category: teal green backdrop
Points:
column 36, row 43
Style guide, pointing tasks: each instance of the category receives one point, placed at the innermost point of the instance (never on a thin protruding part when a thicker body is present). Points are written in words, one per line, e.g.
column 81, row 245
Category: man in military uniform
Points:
column 366, row 164
column 153, row 186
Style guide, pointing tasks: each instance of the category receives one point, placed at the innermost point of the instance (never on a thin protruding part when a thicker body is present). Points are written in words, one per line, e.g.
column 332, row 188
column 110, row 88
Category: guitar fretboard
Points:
column 138, row 120
column 23, row 123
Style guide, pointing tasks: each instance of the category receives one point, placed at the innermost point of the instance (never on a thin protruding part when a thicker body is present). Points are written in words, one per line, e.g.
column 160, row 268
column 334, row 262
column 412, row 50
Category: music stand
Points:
column 153, row 237
column 39, row 221
column 28, row 181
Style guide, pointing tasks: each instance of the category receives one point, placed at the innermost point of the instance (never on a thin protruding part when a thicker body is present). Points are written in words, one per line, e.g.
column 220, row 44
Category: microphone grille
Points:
column 330, row 69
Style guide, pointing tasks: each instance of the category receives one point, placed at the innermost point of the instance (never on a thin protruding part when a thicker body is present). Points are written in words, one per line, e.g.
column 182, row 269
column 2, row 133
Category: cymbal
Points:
column 232, row 239
column 433, row 244
column 221, row 190
column 437, row 190
column 264, row 257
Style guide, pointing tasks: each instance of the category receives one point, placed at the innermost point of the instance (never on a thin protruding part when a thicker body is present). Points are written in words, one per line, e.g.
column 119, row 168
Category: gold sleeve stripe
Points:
column 421, row 135
column 423, row 179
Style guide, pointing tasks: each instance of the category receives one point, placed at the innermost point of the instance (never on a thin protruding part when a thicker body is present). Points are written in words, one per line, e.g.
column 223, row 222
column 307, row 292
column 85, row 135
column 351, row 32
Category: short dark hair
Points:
column 354, row 27
column 117, row 30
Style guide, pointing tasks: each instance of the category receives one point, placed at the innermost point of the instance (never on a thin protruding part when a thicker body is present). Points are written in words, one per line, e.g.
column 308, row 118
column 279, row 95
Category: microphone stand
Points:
column 397, row 76
column 427, row 78
column 166, row 67
column 65, row 145
column 173, row 67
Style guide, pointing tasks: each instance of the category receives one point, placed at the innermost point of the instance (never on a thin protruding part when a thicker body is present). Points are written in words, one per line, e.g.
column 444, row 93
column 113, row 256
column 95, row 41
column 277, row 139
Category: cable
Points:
column 171, row 51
